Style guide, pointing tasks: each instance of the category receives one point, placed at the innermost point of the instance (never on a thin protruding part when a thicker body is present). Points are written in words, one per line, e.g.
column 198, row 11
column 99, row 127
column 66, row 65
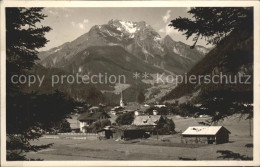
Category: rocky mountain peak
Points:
column 123, row 26
column 168, row 38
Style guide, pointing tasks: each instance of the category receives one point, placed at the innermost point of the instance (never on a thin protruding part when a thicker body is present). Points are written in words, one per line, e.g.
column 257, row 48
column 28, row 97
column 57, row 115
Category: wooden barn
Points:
column 105, row 133
column 125, row 132
column 205, row 135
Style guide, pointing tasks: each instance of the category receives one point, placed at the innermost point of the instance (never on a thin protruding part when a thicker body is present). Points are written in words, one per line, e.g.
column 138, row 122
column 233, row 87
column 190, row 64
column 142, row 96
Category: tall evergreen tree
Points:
column 23, row 38
column 216, row 25
column 213, row 24
column 28, row 115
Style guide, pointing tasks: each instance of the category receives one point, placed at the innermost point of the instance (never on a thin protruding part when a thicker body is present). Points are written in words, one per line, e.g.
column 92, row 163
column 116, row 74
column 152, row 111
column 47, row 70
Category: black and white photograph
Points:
column 129, row 83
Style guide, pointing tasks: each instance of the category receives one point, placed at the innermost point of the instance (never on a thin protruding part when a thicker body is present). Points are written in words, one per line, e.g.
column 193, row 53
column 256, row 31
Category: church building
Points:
column 122, row 101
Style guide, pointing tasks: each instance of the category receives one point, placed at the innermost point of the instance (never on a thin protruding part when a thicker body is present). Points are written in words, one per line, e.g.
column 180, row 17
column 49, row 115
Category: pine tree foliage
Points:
column 231, row 30
column 24, row 37
column 212, row 24
column 28, row 115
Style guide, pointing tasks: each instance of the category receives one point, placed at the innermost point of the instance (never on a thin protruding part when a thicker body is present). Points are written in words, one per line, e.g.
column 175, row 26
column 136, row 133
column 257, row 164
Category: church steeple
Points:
column 122, row 102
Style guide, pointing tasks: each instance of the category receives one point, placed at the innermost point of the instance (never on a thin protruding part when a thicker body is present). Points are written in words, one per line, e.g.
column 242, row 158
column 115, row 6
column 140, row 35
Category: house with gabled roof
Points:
column 146, row 120
column 125, row 132
column 87, row 118
column 205, row 135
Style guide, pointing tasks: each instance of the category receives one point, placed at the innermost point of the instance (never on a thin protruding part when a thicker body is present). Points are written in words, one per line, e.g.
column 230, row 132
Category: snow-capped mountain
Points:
column 121, row 48
column 137, row 38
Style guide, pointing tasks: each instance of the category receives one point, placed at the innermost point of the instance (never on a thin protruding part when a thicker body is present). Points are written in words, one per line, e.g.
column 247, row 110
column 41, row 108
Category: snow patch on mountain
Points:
column 132, row 36
column 112, row 44
column 202, row 49
column 157, row 38
column 129, row 26
column 185, row 57
column 57, row 50
column 109, row 33
column 146, row 53
column 54, row 60
column 80, row 69
column 176, row 50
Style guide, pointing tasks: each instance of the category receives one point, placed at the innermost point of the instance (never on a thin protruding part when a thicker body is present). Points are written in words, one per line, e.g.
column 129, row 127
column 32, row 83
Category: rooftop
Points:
column 203, row 130
column 92, row 116
column 128, row 128
column 146, row 120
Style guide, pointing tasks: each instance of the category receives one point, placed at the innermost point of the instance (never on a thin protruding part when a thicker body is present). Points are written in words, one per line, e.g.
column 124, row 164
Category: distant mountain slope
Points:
column 233, row 56
column 122, row 48
column 81, row 92
column 179, row 57
column 107, row 59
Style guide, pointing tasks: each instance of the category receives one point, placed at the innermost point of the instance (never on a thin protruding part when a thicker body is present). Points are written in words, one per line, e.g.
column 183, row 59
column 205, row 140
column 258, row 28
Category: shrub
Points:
column 165, row 126
column 125, row 119
column 95, row 126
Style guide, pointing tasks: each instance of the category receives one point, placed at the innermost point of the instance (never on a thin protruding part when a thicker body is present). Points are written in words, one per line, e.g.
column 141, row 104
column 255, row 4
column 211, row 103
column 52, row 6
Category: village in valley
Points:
column 131, row 128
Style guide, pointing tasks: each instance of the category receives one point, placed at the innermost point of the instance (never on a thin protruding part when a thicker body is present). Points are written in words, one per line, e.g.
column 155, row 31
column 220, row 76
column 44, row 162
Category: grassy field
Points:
column 167, row 147
column 236, row 125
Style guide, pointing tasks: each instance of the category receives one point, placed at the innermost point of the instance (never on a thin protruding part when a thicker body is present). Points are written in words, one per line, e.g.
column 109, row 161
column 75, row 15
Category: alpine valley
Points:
column 119, row 48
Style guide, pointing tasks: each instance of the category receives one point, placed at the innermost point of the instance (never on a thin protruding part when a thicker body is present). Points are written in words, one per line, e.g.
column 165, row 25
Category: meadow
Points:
column 165, row 147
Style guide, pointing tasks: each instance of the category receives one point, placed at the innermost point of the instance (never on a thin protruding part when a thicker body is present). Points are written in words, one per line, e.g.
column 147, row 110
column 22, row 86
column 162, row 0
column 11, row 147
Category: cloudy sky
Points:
column 69, row 23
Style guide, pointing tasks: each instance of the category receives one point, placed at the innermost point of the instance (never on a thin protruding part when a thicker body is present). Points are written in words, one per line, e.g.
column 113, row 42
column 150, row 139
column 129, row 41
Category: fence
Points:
column 79, row 136
column 83, row 134
column 50, row 137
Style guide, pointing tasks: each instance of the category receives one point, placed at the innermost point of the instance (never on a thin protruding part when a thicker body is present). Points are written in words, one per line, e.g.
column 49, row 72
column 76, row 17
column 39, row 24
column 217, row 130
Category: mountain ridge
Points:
column 138, row 38
column 123, row 48
column 232, row 56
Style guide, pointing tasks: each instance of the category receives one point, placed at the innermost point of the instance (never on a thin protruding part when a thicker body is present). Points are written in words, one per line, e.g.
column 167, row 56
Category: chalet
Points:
column 132, row 132
column 143, row 126
column 139, row 113
column 205, row 135
column 124, row 132
column 105, row 133
column 88, row 118
column 147, row 120
column 146, row 105
column 148, row 123
column 119, row 110
column 160, row 105
column 94, row 109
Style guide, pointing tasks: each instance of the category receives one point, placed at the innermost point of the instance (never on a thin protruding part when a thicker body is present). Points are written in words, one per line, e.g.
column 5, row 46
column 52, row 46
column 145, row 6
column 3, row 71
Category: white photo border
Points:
column 105, row 4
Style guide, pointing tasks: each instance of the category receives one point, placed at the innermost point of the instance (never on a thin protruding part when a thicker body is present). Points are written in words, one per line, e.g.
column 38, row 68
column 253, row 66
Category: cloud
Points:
column 53, row 12
column 162, row 30
column 167, row 29
column 80, row 25
column 167, row 16
column 65, row 9
column 85, row 21
column 73, row 23
column 188, row 8
column 170, row 30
